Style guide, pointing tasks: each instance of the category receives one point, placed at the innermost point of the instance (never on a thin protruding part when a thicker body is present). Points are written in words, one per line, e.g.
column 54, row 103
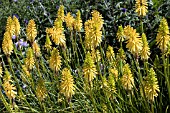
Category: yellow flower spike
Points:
column 120, row 34
column 78, row 22
column 96, row 55
column 7, row 44
column 36, row 49
column 93, row 33
column 69, row 19
column 9, row 88
column 57, row 33
column 41, row 91
column 127, row 79
column 145, row 50
column 7, row 76
column 121, row 54
column 110, row 54
column 88, row 35
column 29, row 60
column 97, row 18
column 60, row 13
column 89, row 69
column 25, row 71
column 10, row 26
column 111, row 82
column 141, row 7
column 58, row 23
column 150, row 85
column 31, row 31
column 48, row 42
column 67, row 86
column 163, row 37
column 113, row 72
column 16, row 26
column 55, row 60
column 127, row 31
column 134, row 42
column 105, row 84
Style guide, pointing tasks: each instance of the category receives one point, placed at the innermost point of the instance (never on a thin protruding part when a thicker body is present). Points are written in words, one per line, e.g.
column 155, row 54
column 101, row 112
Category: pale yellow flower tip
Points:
column 67, row 86
column 141, row 7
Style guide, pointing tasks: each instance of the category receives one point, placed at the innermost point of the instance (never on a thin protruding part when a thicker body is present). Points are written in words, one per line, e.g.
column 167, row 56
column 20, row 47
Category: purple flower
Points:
column 15, row 15
column 26, row 21
column 15, row 0
column 28, row 7
column 57, row 7
column 124, row 10
column 21, row 43
column 31, row 1
column 25, row 44
column 16, row 44
column 14, row 37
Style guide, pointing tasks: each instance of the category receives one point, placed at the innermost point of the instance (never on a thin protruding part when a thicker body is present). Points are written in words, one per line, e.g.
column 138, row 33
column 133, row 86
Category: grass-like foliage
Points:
column 79, row 61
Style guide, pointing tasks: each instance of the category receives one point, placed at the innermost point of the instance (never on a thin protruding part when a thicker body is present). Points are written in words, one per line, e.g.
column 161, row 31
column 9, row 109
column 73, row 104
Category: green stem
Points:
column 141, row 83
column 141, row 23
column 165, row 74
column 152, row 107
column 81, row 42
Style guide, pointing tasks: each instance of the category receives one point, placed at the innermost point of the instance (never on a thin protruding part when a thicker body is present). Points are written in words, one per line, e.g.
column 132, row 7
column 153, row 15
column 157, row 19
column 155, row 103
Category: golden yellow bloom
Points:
column 60, row 13
column 55, row 60
column 25, row 71
column 36, row 49
column 96, row 55
column 109, row 86
column 121, row 54
column 58, row 23
column 7, row 76
column 29, row 60
column 127, row 31
column 113, row 72
column 48, row 43
column 150, row 85
column 31, row 31
column 93, row 33
column 105, row 84
column 145, row 50
column 163, row 37
column 110, row 54
column 98, row 19
column 78, row 22
column 41, row 91
column 16, row 26
column 127, row 79
column 141, row 7
column 88, row 35
column 89, row 69
column 57, row 35
column 10, row 26
column 134, row 42
column 69, row 19
column 7, row 44
column 120, row 34
column 9, row 88
column 67, row 86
